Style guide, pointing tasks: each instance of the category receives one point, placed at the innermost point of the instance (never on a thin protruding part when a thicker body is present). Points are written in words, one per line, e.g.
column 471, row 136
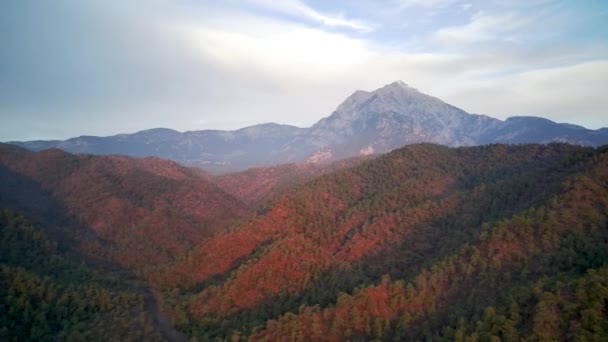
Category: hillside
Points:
column 415, row 243
column 423, row 243
column 137, row 213
column 367, row 122
column 258, row 186
column 538, row 275
column 44, row 295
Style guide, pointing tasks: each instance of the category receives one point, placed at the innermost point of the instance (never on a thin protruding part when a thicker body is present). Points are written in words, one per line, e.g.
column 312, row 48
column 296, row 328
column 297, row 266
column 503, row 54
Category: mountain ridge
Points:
column 366, row 122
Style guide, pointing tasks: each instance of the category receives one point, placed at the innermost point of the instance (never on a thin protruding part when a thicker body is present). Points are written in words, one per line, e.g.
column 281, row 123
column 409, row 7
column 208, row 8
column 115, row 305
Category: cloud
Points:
column 300, row 9
column 482, row 27
column 277, row 47
column 105, row 67
column 574, row 93
column 299, row 61
column 426, row 3
column 465, row 7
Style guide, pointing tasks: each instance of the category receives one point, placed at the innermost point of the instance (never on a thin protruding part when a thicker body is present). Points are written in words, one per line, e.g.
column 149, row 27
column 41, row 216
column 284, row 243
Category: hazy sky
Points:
column 102, row 67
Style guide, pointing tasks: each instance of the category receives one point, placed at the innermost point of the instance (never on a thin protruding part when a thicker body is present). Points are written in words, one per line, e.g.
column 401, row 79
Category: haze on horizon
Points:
column 72, row 67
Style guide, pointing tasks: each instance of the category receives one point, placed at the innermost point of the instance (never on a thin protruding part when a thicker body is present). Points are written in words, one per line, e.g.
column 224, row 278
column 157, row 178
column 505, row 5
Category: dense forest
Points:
column 45, row 296
column 136, row 213
column 427, row 242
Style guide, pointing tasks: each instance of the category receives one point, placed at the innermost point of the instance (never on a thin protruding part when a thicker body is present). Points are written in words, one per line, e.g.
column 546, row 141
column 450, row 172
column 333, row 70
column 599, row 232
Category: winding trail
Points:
column 151, row 301
column 160, row 321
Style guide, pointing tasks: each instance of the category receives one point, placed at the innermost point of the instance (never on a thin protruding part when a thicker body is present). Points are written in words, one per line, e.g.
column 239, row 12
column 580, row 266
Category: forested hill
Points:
column 426, row 242
column 258, row 186
column 46, row 296
column 79, row 233
column 137, row 213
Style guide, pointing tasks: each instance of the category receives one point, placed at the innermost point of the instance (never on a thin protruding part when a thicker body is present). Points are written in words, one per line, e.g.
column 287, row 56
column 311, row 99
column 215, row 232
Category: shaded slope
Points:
column 134, row 212
column 44, row 295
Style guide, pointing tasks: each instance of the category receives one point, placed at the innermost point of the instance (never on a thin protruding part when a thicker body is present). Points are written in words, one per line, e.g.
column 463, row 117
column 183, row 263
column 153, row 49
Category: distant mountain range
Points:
column 365, row 123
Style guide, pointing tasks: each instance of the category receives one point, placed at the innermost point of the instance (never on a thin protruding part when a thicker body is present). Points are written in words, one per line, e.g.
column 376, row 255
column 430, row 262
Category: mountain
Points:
column 365, row 123
column 520, row 130
column 424, row 243
column 394, row 116
column 213, row 150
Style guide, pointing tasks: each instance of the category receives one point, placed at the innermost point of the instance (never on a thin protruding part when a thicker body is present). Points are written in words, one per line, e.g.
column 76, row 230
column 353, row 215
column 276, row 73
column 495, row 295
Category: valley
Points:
column 425, row 242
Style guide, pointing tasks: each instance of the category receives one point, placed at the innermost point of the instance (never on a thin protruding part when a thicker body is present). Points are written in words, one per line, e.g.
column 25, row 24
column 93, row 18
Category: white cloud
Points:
column 482, row 27
column 573, row 93
column 302, row 10
column 426, row 3
column 465, row 7
column 277, row 47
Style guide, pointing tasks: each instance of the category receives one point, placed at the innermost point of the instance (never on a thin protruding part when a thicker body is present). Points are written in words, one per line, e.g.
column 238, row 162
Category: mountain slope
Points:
column 258, row 186
column 424, row 243
column 397, row 115
column 365, row 123
column 46, row 295
column 395, row 216
column 137, row 213
column 540, row 275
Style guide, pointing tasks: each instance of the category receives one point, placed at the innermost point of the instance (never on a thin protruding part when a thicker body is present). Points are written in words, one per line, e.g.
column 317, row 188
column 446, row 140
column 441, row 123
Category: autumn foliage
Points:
column 424, row 243
column 430, row 218
column 138, row 213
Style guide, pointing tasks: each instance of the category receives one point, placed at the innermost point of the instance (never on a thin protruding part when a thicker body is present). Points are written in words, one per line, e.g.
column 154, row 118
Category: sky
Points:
column 103, row 67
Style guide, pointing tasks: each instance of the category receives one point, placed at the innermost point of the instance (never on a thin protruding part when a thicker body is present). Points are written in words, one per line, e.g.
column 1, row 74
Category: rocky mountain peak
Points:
column 400, row 94
column 398, row 85
column 390, row 97
column 396, row 98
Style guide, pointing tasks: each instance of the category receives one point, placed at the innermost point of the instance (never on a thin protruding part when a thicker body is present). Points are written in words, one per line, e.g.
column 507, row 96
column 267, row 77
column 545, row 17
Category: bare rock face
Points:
column 396, row 115
column 368, row 151
column 366, row 122
column 319, row 157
